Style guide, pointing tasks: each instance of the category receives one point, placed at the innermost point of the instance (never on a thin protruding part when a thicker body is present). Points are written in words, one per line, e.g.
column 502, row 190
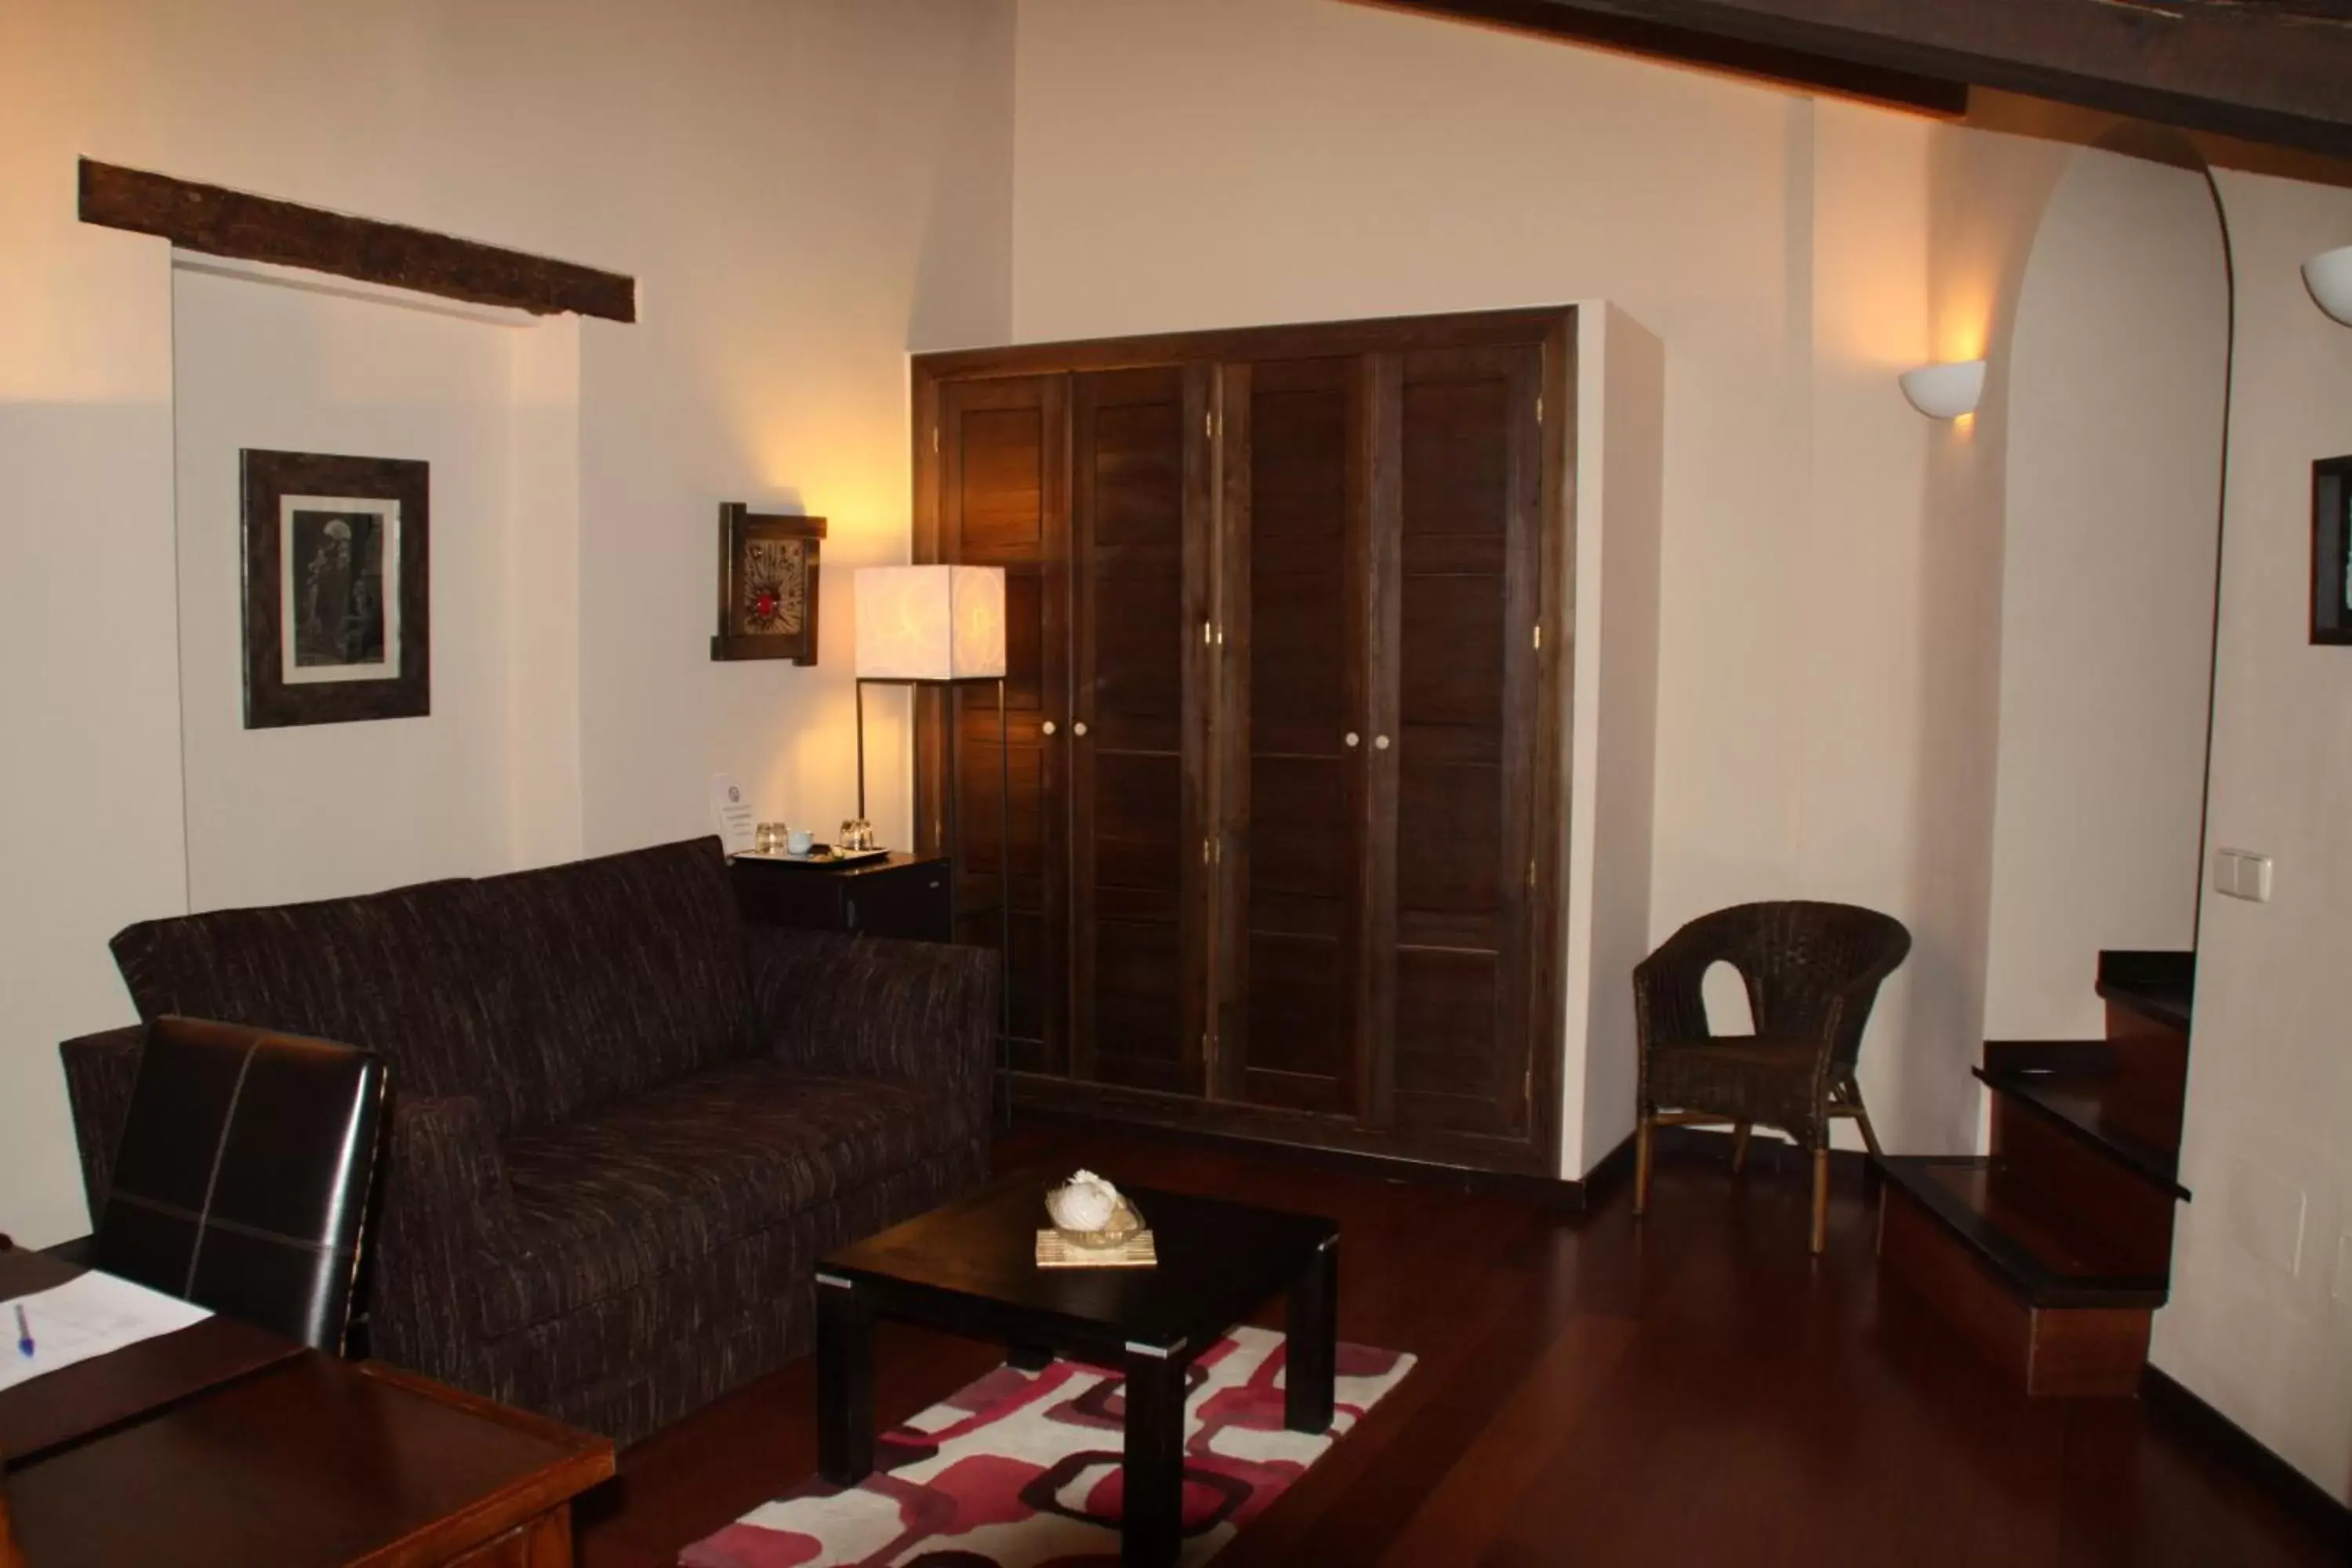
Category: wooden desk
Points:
column 307, row 1462
column 92, row 1396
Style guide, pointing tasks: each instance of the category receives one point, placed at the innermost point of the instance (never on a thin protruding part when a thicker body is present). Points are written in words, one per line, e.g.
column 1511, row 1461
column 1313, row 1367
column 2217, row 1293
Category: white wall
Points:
column 2116, row 371
column 804, row 189
column 1236, row 161
column 541, row 569
column 2260, row 1322
column 1986, row 195
column 314, row 810
column 90, row 779
column 1612, row 729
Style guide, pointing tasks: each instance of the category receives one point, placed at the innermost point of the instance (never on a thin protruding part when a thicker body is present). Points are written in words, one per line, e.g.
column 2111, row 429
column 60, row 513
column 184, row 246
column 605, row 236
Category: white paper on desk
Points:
column 87, row 1316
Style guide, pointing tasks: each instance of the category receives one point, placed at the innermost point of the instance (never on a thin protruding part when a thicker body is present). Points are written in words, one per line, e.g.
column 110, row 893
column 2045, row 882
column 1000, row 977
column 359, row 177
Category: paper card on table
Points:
column 87, row 1316
column 730, row 814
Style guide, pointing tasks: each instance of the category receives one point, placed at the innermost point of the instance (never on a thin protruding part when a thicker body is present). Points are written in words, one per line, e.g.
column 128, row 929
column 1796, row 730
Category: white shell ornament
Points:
column 1086, row 1203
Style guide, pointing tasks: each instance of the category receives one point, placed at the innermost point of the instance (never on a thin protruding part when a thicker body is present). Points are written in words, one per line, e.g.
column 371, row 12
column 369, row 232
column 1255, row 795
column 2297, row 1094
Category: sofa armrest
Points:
column 101, row 1070
column 446, row 1211
column 915, row 1012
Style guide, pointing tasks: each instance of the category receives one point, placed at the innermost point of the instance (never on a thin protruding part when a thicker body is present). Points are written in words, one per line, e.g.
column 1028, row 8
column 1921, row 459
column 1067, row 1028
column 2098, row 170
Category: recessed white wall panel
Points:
column 315, row 811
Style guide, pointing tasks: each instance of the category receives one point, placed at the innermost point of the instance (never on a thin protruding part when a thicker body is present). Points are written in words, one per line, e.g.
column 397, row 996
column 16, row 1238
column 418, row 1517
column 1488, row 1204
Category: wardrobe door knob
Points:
column 1079, row 727
column 1379, row 742
column 1048, row 726
column 1353, row 738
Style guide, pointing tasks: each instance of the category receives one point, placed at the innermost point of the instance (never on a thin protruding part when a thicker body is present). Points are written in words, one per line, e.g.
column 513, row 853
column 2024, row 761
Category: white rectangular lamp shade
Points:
column 930, row 623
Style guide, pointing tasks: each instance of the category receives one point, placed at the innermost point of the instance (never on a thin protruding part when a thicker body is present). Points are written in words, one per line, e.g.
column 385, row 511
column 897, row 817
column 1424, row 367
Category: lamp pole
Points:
column 1003, row 915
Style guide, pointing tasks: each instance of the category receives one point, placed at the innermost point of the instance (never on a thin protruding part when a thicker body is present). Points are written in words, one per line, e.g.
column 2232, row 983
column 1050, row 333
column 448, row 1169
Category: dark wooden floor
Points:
column 1690, row 1389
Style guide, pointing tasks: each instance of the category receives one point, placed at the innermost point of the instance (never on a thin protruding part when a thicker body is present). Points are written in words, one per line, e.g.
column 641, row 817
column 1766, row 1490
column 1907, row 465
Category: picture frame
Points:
column 2331, row 550
column 338, row 588
column 768, row 565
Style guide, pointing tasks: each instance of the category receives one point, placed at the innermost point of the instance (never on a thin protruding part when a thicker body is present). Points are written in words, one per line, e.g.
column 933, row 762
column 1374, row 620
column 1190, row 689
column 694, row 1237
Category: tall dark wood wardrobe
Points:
column 1287, row 629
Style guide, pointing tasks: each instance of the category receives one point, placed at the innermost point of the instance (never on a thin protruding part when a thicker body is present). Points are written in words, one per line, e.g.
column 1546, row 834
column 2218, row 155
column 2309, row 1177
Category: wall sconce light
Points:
column 1945, row 391
column 2328, row 276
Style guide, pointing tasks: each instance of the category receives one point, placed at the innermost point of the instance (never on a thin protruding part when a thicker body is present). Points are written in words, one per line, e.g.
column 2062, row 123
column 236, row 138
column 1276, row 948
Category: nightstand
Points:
column 901, row 895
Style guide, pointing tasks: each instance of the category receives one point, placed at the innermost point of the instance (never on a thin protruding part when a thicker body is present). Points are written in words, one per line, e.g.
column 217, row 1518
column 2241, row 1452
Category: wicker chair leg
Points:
column 1739, row 1131
column 1643, row 1131
column 1869, row 1136
column 1820, row 1200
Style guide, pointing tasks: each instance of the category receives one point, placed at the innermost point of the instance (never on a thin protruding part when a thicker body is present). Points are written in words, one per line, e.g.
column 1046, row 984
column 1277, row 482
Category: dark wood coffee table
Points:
column 970, row 1268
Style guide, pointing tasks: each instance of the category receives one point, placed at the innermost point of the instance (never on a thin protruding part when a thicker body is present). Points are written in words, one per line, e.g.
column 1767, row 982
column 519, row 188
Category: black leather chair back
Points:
column 242, row 1179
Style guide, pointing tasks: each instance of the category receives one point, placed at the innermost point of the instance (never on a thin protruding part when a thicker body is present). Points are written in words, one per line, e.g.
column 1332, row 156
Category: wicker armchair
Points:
column 1811, row 971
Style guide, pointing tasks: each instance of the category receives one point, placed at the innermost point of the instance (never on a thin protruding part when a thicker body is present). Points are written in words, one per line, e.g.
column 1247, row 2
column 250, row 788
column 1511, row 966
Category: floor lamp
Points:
column 944, row 626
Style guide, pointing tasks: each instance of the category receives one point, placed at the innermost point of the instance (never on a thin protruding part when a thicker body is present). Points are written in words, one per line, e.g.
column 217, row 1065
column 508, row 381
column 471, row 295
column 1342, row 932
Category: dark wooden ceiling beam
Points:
column 1640, row 34
column 222, row 221
column 2267, row 70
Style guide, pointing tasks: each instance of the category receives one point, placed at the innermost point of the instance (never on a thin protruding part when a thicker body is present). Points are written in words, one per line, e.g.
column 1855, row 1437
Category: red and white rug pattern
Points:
column 1022, row 1469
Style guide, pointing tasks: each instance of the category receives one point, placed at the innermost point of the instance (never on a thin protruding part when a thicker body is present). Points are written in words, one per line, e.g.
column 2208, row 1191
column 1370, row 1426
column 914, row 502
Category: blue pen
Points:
column 23, row 1334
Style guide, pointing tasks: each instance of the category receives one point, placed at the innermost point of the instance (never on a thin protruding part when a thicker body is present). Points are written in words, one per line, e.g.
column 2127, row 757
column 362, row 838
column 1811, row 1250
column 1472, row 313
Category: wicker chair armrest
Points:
column 1669, row 1007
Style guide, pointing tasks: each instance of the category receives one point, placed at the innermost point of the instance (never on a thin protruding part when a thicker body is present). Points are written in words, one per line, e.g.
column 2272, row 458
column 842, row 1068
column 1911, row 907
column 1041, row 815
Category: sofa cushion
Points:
column 626, row 1195
column 399, row 973
column 626, row 972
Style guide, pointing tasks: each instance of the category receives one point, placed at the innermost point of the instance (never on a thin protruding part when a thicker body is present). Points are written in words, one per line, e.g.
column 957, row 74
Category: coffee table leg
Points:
column 1311, row 1366
column 845, row 1383
column 1154, row 1477
column 1023, row 1357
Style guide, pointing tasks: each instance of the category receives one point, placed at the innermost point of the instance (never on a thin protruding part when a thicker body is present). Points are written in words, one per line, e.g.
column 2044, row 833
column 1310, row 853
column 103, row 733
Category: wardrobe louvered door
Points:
column 1140, row 544
column 1001, row 475
column 1277, row 767
column 1295, row 661
column 1454, row 704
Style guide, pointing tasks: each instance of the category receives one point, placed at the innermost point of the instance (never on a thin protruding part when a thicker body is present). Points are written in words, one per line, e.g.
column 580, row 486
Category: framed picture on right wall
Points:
column 2331, row 550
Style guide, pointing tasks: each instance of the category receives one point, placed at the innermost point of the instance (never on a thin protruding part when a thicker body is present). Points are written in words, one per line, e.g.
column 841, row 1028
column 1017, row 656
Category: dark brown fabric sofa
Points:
column 623, row 1123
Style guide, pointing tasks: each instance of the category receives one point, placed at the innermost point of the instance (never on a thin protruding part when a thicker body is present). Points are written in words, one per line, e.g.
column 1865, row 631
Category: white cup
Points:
column 799, row 841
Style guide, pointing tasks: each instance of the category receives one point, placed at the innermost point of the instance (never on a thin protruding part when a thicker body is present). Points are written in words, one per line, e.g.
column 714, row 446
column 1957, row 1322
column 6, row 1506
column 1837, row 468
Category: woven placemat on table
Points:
column 1055, row 1250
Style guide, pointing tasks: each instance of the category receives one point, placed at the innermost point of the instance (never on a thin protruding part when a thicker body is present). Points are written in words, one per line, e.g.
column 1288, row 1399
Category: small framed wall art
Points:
column 2331, row 550
column 767, row 585
column 338, row 603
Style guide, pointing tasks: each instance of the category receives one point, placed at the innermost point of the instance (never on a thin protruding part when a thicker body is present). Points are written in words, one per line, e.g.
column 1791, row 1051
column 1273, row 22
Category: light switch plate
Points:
column 2243, row 874
column 2342, row 1288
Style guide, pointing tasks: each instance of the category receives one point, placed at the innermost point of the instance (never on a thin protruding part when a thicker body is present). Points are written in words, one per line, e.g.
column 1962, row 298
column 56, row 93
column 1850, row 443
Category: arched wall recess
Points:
column 2117, row 373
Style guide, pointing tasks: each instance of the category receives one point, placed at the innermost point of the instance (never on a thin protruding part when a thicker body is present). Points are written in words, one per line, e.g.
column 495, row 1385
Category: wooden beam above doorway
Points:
column 221, row 222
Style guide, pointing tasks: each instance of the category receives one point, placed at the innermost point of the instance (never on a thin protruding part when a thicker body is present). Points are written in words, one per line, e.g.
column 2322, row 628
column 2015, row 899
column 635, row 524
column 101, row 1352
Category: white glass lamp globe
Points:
column 2328, row 276
column 1945, row 391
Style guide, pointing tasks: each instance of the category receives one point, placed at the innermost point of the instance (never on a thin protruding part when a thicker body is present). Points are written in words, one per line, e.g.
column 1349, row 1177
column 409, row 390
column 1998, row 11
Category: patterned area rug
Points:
column 1022, row 1469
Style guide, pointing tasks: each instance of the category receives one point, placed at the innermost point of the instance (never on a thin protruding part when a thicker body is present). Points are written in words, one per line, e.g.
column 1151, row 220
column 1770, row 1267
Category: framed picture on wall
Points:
column 767, row 585
column 2331, row 550
column 337, row 608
